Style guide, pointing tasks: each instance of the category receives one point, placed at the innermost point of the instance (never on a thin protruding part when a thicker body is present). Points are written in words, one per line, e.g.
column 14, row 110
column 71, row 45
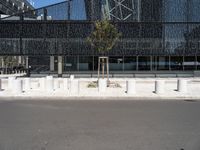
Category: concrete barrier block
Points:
column 42, row 83
column 17, row 86
column 56, row 84
column 102, row 85
column 74, row 89
column 66, row 84
column 10, row 82
column 27, row 84
column 160, row 86
column 182, row 85
column 131, row 86
column 49, row 84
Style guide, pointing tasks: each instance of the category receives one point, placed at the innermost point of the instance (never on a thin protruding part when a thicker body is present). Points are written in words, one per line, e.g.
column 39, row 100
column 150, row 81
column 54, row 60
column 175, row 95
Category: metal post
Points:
column 69, row 10
column 78, row 67
column 107, row 69
column 169, row 63
column 45, row 14
column 183, row 63
column 123, row 64
column 137, row 63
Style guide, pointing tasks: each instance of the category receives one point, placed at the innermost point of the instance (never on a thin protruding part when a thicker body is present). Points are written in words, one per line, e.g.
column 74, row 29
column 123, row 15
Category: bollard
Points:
column 42, row 84
column 159, row 86
column 49, row 84
column 102, row 85
column 17, row 86
column 130, row 86
column 34, row 85
column 71, row 77
column 10, row 82
column 66, row 84
column 74, row 88
column 61, row 83
column 0, row 84
column 182, row 85
column 27, row 84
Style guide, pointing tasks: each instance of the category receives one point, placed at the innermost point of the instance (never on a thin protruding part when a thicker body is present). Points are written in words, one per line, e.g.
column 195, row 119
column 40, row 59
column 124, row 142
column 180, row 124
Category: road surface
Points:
column 99, row 125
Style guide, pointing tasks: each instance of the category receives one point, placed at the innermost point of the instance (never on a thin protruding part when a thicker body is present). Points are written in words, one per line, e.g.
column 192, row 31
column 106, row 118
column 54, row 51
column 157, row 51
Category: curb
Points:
column 92, row 98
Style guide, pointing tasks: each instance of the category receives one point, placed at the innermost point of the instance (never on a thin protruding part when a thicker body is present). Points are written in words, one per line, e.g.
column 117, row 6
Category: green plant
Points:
column 92, row 85
column 9, row 61
column 104, row 36
column 103, row 39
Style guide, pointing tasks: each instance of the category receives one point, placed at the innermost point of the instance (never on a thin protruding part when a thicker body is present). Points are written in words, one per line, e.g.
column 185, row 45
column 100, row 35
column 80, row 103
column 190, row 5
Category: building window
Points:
column 144, row 63
column 70, row 63
column 175, row 10
column 85, row 63
column 130, row 63
column 116, row 63
column 189, row 63
column 176, row 63
column 160, row 63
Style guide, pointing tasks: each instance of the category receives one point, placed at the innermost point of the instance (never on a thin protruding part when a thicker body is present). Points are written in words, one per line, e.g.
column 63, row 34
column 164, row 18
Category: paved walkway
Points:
column 144, row 90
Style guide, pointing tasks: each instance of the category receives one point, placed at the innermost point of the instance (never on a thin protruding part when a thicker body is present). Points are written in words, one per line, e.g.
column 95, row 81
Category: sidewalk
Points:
column 144, row 90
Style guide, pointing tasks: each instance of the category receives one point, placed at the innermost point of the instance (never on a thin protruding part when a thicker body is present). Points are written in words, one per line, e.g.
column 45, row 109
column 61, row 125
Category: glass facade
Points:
column 156, row 34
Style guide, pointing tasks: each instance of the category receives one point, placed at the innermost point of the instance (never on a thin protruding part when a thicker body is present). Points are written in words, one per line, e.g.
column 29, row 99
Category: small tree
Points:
column 8, row 62
column 103, row 39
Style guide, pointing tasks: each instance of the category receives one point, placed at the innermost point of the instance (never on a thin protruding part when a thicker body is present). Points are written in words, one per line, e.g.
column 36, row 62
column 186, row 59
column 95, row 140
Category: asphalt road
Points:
column 99, row 125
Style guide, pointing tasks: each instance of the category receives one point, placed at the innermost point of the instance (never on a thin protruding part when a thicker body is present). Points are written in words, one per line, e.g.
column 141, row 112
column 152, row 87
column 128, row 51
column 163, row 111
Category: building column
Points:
column 151, row 63
column 60, row 66
column 138, row 9
column 2, row 62
column 52, row 68
column 27, row 65
column 19, row 59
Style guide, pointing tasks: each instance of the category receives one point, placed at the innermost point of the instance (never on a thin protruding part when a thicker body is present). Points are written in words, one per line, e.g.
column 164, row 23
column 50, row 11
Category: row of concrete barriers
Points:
column 48, row 84
column 159, row 86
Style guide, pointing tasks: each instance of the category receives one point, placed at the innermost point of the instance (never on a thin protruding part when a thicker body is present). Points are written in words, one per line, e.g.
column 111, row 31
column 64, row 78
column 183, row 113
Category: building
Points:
column 157, row 35
column 10, row 7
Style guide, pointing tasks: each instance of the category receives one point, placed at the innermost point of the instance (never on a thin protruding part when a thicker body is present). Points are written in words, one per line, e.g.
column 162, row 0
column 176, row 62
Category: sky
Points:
column 41, row 3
